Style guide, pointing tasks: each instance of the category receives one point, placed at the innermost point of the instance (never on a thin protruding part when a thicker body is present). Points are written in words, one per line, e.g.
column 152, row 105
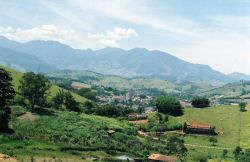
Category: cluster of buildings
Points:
column 129, row 97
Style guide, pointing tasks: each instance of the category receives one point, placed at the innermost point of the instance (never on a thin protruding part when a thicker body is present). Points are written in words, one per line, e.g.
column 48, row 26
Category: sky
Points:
column 211, row 32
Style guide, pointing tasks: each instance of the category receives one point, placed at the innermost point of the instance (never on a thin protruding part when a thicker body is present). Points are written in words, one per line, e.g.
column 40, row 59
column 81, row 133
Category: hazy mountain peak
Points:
column 239, row 76
column 137, row 62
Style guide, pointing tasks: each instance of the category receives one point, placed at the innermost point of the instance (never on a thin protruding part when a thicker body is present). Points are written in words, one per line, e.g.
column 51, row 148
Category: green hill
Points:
column 231, row 124
column 229, row 90
column 113, row 81
column 52, row 92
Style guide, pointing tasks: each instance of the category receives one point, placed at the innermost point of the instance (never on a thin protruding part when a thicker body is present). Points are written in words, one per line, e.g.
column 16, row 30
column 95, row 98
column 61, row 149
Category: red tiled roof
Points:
column 200, row 126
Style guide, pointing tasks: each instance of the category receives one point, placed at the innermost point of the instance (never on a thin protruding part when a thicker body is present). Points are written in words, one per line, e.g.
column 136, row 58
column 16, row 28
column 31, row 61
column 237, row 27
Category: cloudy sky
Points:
column 212, row 32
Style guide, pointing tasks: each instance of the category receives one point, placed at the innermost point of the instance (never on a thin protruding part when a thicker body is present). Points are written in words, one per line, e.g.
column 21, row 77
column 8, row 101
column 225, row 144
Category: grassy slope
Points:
column 64, row 129
column 53, row 90
column 115, row 81
column 228, row 90
column 227, row 119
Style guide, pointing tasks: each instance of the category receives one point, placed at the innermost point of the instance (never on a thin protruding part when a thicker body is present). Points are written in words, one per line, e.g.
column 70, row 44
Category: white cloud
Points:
column 137, row 12
column 111, row 38
column 44, row 32
column 231, row 21
column 224, row 49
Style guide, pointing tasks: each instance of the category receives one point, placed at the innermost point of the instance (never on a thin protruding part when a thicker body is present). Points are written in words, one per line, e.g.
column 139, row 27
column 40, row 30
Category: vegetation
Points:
column 169, row 105
column 34, row 87
column 7, row 92
column 242, row 106
column 68, row 126
column 213, row 140
column 200, row 102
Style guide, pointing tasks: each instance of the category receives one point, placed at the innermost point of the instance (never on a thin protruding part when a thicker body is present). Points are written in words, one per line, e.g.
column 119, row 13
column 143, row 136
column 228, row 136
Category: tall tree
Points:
column 34, row 87
column 7, row 92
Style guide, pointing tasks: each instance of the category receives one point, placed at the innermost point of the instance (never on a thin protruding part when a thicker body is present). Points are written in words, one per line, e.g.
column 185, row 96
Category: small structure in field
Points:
column 110, row 132
column 199, row 129
column 142, row 134
column 136, row 116
column 162, row 158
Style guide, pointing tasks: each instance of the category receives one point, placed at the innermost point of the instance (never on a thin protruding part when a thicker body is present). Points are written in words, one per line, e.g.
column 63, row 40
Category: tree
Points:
column 176, row 145
column 34, row 87
column 169, row 105
column 213, row 140
column 90, row 95
column 89, row 107
column 237, row 152
column 71, row 103
column 7, row 93
column 200, row 102
column 242, row 106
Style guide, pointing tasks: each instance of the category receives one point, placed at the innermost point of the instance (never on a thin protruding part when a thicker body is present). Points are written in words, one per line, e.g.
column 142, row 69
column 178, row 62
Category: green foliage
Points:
column 84, row 132
column 200, row 102
column 90, row 95
column 71, row 103
column 175, row 145
column 89, row 107
column 244, row 156
column 58, row 99
column 242, row 106
column 34, row 87
column 213, row 140
column 169, row 105
column 224, row 153
column 200, row 158
column 7, row 92
column 237, row 151
column 112, row 110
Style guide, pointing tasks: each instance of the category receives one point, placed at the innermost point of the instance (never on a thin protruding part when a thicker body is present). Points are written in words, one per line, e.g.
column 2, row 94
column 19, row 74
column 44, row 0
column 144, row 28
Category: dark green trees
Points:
column 7, row 92
column 200, row 102
column 242, row 106
column 169, row 105
column 65, row 100
column 34, row 87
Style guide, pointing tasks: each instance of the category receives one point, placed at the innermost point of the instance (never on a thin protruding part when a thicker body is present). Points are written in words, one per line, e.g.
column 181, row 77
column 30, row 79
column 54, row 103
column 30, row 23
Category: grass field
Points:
column 233, row 127
column 226, row 119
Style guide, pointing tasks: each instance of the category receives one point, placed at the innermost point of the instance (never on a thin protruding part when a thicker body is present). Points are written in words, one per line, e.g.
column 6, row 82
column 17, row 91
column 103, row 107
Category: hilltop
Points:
column 137, row 62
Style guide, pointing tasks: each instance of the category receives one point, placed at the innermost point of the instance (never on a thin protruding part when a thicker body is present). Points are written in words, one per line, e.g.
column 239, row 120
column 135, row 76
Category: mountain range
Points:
column 48, row 56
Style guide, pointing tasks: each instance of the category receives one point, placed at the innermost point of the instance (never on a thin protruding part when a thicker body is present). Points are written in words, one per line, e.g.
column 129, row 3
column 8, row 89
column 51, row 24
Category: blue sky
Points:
column 212, row 32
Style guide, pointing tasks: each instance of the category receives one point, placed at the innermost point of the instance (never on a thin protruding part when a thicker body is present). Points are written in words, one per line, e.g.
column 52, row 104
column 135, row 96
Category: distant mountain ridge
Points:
column 23, row 62
column 137, row 62
column 239, row 76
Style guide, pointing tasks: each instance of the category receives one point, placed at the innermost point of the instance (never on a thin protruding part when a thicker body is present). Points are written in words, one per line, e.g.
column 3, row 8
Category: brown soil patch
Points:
column 28, row 116
column 139, row 122
column 6, row 158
